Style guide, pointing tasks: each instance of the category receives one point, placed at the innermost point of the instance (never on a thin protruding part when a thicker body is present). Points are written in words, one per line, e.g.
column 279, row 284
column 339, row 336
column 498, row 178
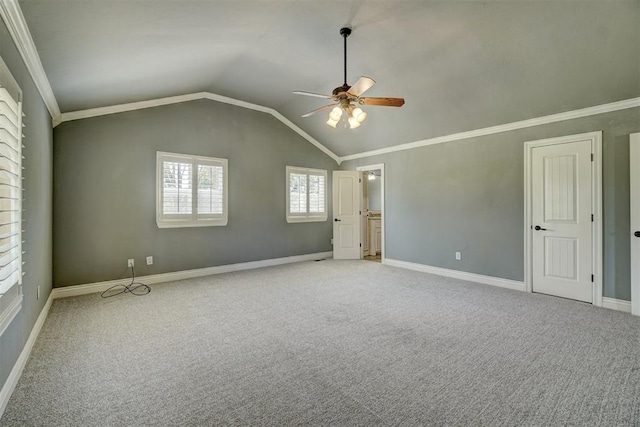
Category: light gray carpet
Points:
column 330, row 343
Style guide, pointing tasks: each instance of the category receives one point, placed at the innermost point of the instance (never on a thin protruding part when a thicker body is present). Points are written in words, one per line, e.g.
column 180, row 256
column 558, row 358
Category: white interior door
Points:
column 561, row 220
column 634, row 172
column 346, row 215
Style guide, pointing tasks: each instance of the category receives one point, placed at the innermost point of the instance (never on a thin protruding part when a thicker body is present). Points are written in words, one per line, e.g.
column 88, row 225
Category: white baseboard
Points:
column 90, row 288
column 616, row 304
column 16, row 372
column 610, row 303
column 456, row 274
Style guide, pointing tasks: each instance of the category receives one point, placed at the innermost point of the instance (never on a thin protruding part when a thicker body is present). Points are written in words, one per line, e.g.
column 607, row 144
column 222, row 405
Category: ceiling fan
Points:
column 347, row 98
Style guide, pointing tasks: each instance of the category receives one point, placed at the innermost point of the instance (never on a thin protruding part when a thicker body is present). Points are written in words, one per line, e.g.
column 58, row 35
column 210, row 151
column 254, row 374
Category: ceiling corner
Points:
column 17, row 26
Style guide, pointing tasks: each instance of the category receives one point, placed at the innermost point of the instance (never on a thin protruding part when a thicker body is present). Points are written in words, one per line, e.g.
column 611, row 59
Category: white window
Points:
column 10, row 198
column 191, row 191
column 306, row 194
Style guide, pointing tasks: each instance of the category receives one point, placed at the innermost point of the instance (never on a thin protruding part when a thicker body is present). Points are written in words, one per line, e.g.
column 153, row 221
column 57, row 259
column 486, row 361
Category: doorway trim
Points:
column 634, row 202
column 596, row 207
column 383, row 249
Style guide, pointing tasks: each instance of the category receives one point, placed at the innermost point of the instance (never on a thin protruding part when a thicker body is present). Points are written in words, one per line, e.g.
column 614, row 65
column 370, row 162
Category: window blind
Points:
column 10, row 193
column 306, row 196
column 191, row 190
column 316, row 193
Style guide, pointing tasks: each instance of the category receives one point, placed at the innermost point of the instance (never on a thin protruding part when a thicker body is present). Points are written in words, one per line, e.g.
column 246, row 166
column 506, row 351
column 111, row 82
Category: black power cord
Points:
column 135, row 288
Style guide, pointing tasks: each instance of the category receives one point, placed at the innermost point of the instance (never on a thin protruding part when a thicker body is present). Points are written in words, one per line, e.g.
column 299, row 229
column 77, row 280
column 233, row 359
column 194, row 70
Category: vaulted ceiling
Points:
column 460, row 65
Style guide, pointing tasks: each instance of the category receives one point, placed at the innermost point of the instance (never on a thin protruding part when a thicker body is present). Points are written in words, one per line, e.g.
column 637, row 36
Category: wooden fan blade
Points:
column 317, row 110
column 317, row 95
column 385, row 102
column 363, row 84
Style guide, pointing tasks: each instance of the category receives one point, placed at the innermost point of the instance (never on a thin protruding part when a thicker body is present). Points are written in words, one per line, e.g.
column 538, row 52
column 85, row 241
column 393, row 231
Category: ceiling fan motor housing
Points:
column 340, row 91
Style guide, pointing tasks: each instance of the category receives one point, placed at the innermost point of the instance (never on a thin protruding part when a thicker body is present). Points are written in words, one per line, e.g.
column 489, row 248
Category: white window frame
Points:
column 305, row 216
column 11, row 293
column 194, row 219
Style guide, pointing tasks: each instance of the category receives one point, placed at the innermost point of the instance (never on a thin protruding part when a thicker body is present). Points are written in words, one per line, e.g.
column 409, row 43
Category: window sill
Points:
column 294, row 219
column 10, row 313
column 188, row 224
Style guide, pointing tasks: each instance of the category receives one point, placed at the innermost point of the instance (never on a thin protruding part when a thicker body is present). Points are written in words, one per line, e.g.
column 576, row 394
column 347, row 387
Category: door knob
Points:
column 538, row 228
column 336, row 220
column 637, row 234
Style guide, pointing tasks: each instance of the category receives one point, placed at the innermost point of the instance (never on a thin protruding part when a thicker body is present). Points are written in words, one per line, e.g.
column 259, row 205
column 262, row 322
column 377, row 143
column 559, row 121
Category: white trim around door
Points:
column 634, row 176
column 383, row 217
column 596, row 207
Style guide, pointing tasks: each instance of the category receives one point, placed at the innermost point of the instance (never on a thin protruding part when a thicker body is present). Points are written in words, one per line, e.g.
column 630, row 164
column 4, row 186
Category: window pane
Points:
column 176, row 188
column 316, row 194
column 210, row 189
column 297, row 193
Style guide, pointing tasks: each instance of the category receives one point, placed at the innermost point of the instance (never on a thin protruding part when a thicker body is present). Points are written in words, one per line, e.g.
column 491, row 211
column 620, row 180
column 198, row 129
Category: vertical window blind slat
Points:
column 6, row 124
column 8, row 256
column 9, row 282
column 6, row 111
column 6, row 97
column 9, row 152
column 8, row 139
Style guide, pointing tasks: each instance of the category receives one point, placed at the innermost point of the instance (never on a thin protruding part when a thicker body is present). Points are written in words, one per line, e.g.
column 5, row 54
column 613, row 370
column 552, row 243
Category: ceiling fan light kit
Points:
column 347, row 98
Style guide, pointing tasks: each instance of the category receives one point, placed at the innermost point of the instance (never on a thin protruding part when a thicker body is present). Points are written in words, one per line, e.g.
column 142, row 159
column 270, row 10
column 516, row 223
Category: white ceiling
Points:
column 459, row 65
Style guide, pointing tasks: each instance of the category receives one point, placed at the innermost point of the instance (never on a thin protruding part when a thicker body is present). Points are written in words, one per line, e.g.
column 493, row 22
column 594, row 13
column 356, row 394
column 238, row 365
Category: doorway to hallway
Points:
column 372, row 212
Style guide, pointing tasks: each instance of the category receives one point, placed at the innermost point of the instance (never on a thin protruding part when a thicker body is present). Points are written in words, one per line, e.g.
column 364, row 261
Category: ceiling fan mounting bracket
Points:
column 345, row 32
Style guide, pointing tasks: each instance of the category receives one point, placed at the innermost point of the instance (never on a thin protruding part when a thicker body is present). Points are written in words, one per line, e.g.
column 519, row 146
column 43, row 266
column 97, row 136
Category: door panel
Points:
column 346, row 215
column 560, row 188
column 561, row 212
column 634, row 168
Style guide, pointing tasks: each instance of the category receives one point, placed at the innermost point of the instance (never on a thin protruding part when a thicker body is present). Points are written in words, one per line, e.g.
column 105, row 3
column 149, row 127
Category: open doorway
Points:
column 372, row 212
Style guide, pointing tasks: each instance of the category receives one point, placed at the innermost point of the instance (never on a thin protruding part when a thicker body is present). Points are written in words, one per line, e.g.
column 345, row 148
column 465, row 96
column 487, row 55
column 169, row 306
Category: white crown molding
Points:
column 113, row 109
column 457, row 274
column 567, row 115
column 18, row 367
column 90, row 288
column 120, row 108
column 306, row 136
column 17, row 26
column 14, row 19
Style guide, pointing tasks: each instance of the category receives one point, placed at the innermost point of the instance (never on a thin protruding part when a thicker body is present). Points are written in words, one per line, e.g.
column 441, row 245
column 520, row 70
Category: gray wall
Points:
column 104, row 191
column 37, row 205
column 468, row 196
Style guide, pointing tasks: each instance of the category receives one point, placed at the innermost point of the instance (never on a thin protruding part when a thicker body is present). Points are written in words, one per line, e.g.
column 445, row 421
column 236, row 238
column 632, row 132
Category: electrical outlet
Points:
column 38, row 292
column 130, row 262
column 149, row 260
column 458, row 256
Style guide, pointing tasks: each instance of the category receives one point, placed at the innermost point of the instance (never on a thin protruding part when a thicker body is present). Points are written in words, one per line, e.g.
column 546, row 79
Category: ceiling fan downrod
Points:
column 345, row 32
